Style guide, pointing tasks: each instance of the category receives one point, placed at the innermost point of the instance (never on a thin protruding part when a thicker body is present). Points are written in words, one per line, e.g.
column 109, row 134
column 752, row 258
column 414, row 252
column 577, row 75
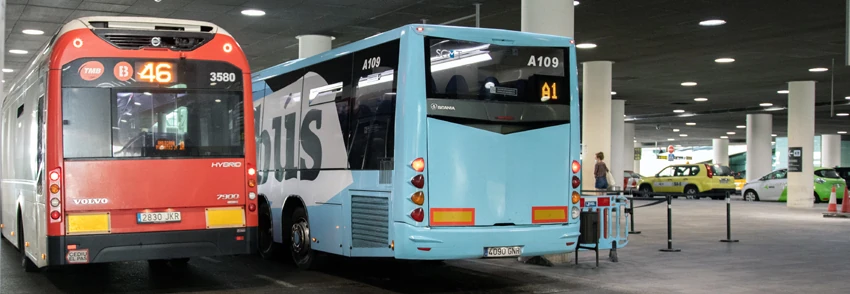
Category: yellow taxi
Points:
column 691, row 180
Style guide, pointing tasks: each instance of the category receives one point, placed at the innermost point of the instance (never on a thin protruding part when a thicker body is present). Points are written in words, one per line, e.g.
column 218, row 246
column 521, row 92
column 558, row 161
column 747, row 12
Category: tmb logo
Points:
column 91, row 201
column 227, row 164
column 91, row 70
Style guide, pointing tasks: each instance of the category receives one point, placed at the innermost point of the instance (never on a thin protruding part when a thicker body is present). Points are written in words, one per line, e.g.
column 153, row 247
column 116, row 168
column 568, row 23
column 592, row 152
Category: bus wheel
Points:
column 268, row 248
column 302, row 253
column 26, row 263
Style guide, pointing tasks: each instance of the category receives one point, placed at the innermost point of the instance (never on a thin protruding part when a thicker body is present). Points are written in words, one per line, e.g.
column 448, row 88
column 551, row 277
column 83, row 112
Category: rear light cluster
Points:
column 54, row 180
column 709, row 171
column 576, row 182
column 418, row 197
column 252, row 185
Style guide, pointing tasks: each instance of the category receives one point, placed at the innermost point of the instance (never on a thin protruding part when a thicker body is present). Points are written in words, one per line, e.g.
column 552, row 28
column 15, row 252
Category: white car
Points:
column 773, row 186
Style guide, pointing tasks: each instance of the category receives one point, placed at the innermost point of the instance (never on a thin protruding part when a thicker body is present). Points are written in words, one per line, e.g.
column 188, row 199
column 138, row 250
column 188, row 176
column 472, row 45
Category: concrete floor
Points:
column 781, row 251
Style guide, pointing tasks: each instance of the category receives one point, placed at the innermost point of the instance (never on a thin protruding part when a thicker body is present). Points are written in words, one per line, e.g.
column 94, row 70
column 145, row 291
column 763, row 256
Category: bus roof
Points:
column 141, row 23
column 466, row 33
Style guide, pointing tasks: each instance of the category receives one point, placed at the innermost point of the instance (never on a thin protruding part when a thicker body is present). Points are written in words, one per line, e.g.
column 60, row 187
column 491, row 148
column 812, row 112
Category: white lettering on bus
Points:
column 227, row 164
column 91, row 201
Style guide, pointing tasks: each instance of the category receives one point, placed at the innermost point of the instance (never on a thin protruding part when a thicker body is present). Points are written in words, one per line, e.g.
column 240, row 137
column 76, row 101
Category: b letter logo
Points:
column 123, row 71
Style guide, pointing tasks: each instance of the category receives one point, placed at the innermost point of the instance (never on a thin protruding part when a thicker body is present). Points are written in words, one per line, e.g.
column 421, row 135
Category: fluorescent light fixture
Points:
column 575, row 3
column 712, row 22
column 147, row 93
column 18, row 51
column 217, row 100
column 671, row 139
column 818, row 69
column 724, row 137
column 691, row 123
column 613, row 93
column 782, row 92
column 460, row 62
column 730, row 133
column 138, row 103
column 774, row 108
column 766, row 104
column 8, row 70
column 842, row 132
column 675, row 130
column 773, row 135
column 700, row 99
column 741, row 127
column 683, row 135
column 725, row 60
column 253, row 12
column 586, row 46
column 848, row 97
column 33, row 32
column 842, row 114
column 679, row 111
column 689, row 84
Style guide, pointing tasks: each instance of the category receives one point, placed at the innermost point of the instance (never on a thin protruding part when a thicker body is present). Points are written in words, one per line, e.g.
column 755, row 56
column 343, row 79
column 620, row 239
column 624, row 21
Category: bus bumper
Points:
column 102, row 248
column 442, row 243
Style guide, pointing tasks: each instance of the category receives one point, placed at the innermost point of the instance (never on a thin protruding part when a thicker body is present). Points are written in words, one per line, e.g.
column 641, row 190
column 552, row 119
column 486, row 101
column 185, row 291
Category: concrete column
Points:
column 596, row 123
column 309, row 45
column 637, row 162
column 617, row 136
column 721, row 151
column 830, row 150
column 2, row 50
column 628, row 146
column 553, row 17
column 801, row 133
column 759, row 149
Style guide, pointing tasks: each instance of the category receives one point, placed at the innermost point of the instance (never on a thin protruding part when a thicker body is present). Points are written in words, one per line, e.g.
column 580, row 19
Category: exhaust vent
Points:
column 174, row 40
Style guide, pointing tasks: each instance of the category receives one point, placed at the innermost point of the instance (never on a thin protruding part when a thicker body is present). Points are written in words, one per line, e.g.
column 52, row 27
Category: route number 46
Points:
column 222, row 77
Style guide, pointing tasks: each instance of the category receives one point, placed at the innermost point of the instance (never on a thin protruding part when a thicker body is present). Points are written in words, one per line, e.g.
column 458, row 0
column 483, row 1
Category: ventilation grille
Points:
column 369, row 222
column 128, row 41
column 386, row 175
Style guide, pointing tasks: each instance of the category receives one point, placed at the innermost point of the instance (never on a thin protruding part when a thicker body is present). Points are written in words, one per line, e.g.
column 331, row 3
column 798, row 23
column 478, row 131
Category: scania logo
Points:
column 227, row 164
column 156, row 41
column 435, row 106
column 91, row 201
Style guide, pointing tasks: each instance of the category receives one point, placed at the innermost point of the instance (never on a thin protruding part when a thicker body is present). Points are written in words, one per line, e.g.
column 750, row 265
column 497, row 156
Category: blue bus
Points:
column 425, row 142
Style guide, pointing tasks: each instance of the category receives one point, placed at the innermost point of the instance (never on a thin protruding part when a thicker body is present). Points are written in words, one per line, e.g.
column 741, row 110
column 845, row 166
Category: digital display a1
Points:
column 156, row 72
column 550, row 89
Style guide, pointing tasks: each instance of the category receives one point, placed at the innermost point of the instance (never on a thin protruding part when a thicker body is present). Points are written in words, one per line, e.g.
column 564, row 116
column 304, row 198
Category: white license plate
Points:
column 502, row 251
column 158, row 217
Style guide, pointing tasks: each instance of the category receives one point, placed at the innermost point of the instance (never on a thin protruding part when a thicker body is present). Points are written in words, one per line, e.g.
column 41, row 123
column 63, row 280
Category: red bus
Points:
column 129, row 138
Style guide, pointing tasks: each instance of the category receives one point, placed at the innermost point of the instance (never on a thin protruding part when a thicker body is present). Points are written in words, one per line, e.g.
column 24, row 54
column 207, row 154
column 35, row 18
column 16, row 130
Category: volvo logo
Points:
column 156, row 41
column 91, row 201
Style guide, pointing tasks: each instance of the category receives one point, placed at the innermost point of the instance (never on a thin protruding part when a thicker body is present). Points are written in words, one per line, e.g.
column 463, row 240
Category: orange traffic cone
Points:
column 845, row 202
column 832, row 206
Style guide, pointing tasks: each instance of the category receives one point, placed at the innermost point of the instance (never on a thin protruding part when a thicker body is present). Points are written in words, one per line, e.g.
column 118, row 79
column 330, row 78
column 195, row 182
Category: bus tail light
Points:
column 252, row 183
column 54, row 188
column 418, row 164
column 54, row 176
column 576, row 182
column 418, row 181
column 418, row 214
column 54, row 202
column 54, row 182
column 418, row 198
column 575, row 212
column 576, row 197
column 252, row 207
column 55, row 215
column 251, row 171
column 576, row 166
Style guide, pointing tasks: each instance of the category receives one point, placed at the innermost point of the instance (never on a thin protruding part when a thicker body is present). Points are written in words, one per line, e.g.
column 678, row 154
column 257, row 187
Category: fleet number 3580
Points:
column 222, row 77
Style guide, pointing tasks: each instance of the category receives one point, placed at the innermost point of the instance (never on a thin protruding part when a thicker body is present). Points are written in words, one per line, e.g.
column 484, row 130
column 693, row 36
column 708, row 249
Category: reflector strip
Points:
column 88, row 223
column 452, row 216
column 225, row 217
column 548, row 214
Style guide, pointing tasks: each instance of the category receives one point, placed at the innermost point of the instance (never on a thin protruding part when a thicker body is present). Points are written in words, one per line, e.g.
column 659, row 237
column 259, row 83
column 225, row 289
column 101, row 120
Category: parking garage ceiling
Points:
column 656, row 45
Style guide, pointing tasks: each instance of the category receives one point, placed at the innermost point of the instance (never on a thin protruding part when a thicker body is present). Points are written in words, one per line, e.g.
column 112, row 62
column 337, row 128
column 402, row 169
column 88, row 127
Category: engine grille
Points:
column 369, row 222
column 174, row 40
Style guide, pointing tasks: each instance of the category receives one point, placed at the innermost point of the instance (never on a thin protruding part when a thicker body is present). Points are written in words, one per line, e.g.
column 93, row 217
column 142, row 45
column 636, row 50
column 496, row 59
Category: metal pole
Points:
column 477, row 15
column 728, row 220
column 670, row 226
column 632, row 215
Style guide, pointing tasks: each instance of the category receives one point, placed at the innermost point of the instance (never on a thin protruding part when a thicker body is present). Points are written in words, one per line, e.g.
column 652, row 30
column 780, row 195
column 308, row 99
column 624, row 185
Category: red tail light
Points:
column 252, row 207
column 576, row 166
column 576, row 182
column 418, row 181
column 418, row 214
column 418, row 164
column 55, row 215
column 709, row 171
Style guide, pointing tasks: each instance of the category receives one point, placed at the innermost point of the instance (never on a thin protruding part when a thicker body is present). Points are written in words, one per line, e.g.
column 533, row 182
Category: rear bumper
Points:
column 721, row 192
column 154, row 245
column 469, row 242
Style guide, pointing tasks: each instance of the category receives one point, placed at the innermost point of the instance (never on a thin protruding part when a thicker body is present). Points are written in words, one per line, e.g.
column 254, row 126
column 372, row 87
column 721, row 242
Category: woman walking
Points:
column 600, row 172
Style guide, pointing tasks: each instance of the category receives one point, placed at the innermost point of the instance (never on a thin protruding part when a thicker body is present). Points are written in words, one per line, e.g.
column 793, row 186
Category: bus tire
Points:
column 268, row 249
column 26, row 263
column 300, row 240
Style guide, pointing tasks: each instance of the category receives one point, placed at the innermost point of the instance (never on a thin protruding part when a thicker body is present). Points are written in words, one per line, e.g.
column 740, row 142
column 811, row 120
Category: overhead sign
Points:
column 637, row 153
column 795, row 159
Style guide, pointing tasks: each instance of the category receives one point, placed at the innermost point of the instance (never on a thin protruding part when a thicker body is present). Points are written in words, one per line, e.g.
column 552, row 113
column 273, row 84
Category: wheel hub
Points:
column 300, row 235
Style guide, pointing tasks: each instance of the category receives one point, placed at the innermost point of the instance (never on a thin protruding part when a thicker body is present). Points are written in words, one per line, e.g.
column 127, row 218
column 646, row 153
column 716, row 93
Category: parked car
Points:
column 740, row 181
column 630, row 180
column 691, row 180
column 774, row 186
column 844, row 173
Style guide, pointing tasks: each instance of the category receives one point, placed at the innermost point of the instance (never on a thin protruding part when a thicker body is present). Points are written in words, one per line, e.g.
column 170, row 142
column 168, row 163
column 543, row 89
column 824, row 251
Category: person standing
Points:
column 600, row 172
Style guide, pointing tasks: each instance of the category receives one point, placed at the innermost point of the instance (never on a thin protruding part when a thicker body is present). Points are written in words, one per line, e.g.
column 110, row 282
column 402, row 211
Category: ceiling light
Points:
column 818, row 69
column 675, row 130
column 725, row 60
column 138, row 103
column 741, row 127
column 730, row 133
column 773, row 135
column 774, row 108
column 691, row 123
column 782, row 92
column 8, row 70
column 700, row 99
column 33, row 32
column 217, row 100
column 712, row 22
column 848, row 97
column 575, row 3
column 613, row 93
column 147, row 93
column 766, row 104
column 842, row 132
column 842, row 114
column 689, row 84
column 679, row 111
column 18, row 51
column 671, row 139
column 586, row 46
column 724, row 137
column 683, row 135
column 253, row 12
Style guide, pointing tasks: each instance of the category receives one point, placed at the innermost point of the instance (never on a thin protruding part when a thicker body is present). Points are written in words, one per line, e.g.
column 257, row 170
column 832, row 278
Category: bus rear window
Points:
column 104, row 123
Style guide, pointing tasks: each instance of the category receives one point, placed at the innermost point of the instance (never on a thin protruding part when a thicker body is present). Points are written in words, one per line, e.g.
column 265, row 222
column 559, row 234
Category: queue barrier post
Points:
column 728, row 220
column 670, row 226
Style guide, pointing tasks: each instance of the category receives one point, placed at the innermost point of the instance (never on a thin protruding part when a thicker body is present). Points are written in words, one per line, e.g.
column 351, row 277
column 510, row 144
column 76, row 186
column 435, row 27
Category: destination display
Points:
column 151, row 73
